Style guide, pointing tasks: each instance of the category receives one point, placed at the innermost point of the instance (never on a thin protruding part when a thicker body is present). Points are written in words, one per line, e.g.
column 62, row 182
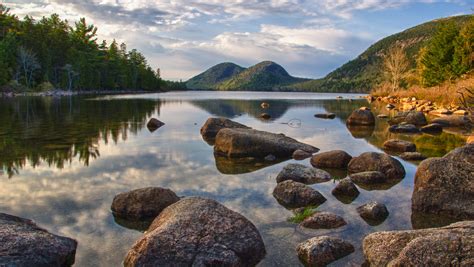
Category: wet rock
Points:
column 373, row 213
column 372, row 161
column 446, row 185
column 361, row 117
column 265, row 116
column 144, row 203
column 322, row 250
column 411, row 117
column 292, row 194
column 301, row 154
column 369, row 177
column 237, row 143
column 403, row 128
column 432, row 128
column 265, row 105
column 399, row 145
column 323, row 220
column 345, row 187
column 153, row 124
column 325, row 116
column 453, row 121
column 447, row 246
column 302, row 174
column 199, row 232
column 441, row 111
column 412, row 156
column 23, row 243
column 336, row 159
column 214, row 125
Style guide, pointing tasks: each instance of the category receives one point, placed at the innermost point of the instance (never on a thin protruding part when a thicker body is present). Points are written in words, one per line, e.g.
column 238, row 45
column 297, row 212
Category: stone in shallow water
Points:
column 345, row 187
column 302, row 174
column 362, row 116
column 292, row 194
column 409, row 117
column 432, row 128
column 399, row 145
column 403, row 128
column 369, row 177
column 214, row 125
column 373, row 161
column 453, row 121
column 336, row 159
column 373, row 213
column 153, row 124
column 322, row 250
column 325, row 115
column 412, row 156
column 323, row 220
column 301, row 154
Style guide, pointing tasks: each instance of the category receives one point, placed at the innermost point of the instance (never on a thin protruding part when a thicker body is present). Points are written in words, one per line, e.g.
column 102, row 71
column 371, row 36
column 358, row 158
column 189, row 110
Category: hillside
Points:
column 365, row 71
column 213, row 76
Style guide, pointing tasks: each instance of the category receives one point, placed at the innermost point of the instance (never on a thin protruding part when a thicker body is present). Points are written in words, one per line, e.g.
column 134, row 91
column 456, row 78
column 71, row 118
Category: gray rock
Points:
column 214, row 125
column 345, row 187
column 373, row 212
column 399, row 145
column 446, row 185
column 153, row 124
column 361, row 117
column 323, row 220
column 336, row 159
column 270, row 158
column 23, row 243
column 265, row 116
column 292, row 194
column 372, row 161
column 412, row 156
column 410, row 117
column 369, row 177
column 144, row 203
column 403, row 128
column 453, row 121
column 237, row 143
column 432, row 128
column 198, row 232
column 322, row 250
column 303, row 174
column 301, row 154
column 325, row 115
column 447, row 246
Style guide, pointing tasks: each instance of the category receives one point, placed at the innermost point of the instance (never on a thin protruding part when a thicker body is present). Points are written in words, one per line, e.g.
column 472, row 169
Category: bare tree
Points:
column 71, row 74
column 28, row 64
column 395, row 65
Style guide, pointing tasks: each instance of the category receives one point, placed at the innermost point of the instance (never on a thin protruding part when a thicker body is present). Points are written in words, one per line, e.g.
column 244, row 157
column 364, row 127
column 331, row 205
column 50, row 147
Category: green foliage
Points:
column 209, row 79
column 300, row 216
column 51, row 51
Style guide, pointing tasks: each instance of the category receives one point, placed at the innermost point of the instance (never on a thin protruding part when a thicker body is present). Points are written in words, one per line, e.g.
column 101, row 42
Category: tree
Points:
column 395, row 65
column 463, row 58
column 28, row 64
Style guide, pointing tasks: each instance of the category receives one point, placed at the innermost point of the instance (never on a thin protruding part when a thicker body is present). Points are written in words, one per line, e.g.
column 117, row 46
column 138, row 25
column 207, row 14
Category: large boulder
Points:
column 323, row 220
column 144, row 203
column 302, row 174
column 214, row 125
column 446, row 185
column 198, row 232
column 411, row 117
column 453, row 121
column 322, row 250
column 362, row 116
column 381, row 162
column 336, row 159
column 236, row 143
column 399, row 145
column 292, row 194
column 447, row 246
column 23, row 243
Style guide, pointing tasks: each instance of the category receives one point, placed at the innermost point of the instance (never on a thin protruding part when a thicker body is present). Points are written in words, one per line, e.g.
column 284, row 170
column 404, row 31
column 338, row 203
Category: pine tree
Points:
column 463, row 58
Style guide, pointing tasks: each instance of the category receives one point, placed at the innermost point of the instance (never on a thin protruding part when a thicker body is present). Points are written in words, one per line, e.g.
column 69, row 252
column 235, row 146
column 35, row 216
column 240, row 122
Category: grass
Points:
column 299, row 217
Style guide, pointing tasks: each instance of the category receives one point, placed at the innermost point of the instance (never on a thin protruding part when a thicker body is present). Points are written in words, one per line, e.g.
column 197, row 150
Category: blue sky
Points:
column 308, row 38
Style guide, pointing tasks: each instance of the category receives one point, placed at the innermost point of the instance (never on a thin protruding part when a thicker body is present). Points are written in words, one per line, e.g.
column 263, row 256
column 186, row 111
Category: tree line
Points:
column 50, row 53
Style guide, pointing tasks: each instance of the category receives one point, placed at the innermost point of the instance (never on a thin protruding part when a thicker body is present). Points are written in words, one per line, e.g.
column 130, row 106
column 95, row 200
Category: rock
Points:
column 403, row 128
column 270, row 158
column 442, row 111
column 301, row 154
column 325, row 116
column 265, row 116
column 416, row 118
column 339, row 97
column 461, row 112
column 372, row 161
column 445, row 185
column 390, row 106
column 292, row 194
column 199, row 232
column 453, row 121
column 412, row 156
column 361, row 117
column 144, row 203
column 302, row 174
column 336, row 159
column 369, row 177
column 345, row 187
column 214, row 125
column 382, row 116
column 265, row 105
column 236, row 143
column 432, row 128
column 323, row 220
column 322, row 250
column 399, row 145
column 23, row 243
column 447, row 246
column 373, row 213
column 153, row 124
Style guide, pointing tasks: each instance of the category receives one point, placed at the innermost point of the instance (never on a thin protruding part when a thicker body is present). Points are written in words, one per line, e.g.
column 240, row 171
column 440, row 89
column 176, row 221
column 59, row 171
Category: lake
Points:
column 62, row 161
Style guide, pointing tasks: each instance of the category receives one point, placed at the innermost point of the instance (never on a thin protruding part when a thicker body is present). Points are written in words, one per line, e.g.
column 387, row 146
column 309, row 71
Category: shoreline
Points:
column 62, row 93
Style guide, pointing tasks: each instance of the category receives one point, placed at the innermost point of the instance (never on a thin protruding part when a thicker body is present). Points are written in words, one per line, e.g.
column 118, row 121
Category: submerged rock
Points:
column 373, row 213
column 345, row 187
column 322, row 250
column 403, row 128
column 237, row 143
column 372, row 161
column 153, row 124
column 325, row 115
column 198, row 232
column 301, row 154
column 214, row 125
column 23, row 243
column 447, row 246
column 323, row 220
column 292, row 194
column 336, row 159
column 412, row 156
column 144, row 203
column 303, row 174
column 369, row 177
column 399, row 145
column 446, row 185
column 362, row 116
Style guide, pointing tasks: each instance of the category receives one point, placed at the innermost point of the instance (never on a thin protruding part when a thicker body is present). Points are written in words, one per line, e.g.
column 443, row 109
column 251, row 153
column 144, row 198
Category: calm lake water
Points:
column 62, row 161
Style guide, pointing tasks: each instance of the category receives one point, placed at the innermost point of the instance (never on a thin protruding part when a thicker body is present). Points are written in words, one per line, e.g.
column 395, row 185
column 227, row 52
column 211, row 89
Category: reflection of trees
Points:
column 54, row 131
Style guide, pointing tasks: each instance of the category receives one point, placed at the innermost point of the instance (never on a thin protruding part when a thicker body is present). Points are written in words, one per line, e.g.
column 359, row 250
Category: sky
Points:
column 183, row 38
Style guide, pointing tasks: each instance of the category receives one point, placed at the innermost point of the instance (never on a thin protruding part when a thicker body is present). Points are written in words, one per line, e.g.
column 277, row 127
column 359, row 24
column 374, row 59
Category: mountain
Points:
column 213, row 76
column 266, row 75
column 365, row 71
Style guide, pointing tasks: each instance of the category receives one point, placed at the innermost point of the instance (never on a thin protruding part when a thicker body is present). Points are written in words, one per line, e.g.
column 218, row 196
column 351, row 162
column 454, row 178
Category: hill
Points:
column 365, row 71
column 213, row 76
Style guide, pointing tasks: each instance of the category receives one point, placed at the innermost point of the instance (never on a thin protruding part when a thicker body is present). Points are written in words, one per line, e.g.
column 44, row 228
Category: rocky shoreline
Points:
column 63, row 93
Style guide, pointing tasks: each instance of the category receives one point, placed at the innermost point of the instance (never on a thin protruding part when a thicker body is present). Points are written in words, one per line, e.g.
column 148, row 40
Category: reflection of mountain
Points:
column 57, row 130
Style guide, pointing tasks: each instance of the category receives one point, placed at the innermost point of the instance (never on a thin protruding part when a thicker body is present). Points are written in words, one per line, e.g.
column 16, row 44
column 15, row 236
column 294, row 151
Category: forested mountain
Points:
column 50, row 53
column 213, row 76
